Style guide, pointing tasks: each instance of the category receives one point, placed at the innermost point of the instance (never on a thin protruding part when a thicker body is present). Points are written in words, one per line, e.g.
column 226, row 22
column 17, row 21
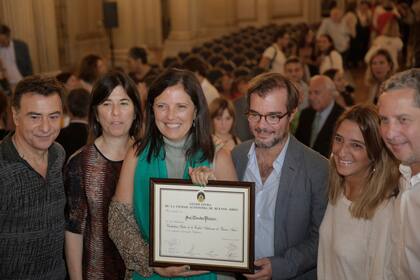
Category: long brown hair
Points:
column 382, row 181
column 218, row 106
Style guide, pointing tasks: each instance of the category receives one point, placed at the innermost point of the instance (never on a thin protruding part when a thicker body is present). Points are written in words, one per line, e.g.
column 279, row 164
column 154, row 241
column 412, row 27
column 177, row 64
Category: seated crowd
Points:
column 336, row 175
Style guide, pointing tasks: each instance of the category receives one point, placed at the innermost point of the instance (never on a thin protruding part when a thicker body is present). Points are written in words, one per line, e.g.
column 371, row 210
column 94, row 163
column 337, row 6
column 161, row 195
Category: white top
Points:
column 350, row 19
column 392, row 44
column 339, row 33
column 333, row 60
column 8, row 57
column 351, row 248
column 210, row 92
column 265, row 200
column 405, row 233
column 278, row 63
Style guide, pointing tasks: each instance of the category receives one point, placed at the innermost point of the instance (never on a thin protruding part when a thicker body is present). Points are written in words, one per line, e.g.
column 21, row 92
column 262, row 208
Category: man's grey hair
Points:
column 409, row 79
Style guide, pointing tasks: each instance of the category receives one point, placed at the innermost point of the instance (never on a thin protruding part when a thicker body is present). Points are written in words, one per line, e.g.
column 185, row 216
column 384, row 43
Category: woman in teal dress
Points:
column 177, row 144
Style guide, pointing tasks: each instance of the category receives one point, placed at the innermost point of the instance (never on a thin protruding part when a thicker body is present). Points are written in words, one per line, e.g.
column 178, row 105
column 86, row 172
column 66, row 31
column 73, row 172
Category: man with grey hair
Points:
column 399, row 110
column 316, row 122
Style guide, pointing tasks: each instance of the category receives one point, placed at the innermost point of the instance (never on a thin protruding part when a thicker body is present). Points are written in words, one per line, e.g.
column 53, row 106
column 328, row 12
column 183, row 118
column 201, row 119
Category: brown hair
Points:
column 265, row 83
column 218, row 106
column 382, row 181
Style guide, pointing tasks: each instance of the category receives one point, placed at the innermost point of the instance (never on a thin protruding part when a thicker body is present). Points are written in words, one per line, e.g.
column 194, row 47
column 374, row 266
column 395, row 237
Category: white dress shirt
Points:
column 8, row 57
column 405, row 231
column 265, row 201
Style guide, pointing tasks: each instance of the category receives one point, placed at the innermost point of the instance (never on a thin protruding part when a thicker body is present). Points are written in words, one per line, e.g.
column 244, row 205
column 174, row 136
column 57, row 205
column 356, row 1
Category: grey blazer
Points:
column 300, row 206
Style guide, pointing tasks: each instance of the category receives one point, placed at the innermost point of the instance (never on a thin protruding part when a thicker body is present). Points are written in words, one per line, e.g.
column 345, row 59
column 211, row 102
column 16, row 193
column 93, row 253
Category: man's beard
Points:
column 272, row 143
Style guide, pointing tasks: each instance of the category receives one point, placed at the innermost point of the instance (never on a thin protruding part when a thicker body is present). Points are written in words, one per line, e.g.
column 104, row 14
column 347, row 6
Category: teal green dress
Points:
column 156, row 169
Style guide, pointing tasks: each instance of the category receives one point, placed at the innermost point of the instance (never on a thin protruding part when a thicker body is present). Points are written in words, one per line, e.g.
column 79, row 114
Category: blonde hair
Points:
column 382, row 181
column 370, row 79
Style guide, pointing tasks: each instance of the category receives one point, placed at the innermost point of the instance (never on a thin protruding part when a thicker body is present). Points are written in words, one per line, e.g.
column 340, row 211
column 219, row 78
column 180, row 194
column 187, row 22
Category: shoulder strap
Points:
column 270, row 65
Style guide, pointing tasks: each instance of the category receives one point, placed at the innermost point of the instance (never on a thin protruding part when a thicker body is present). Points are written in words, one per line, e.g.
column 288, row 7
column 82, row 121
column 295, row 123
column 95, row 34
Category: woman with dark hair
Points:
column 222, row 115
column 362, row 185
column 177, row 144
column 91, row 68
column 380, row 68
column 307, row 52
column 328, row 57
column 345, row 97
column 69, row 80
column 91, row 176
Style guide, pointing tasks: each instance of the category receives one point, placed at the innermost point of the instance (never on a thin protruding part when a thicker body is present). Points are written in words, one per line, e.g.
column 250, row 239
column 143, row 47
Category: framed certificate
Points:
column 208, row 228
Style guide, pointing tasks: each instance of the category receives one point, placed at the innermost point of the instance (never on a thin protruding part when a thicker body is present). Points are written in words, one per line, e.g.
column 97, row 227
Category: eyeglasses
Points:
column 269, row 118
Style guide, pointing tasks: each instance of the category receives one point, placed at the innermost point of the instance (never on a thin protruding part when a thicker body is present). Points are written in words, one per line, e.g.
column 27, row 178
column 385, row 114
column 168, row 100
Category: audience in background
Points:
column 15, row 57
column 74, row 136
column 200, row 68
column 138, row 65
column 91, row 68
column 316, row 123
column 350, row 18
column 380, row 67
column 363, row 182
column 345, row 97
column 4, row 82
column 69, row 80
column 91, row 176
column 274, row 57
column 389, row 40
column 293, row 70
column 335, row 27
column 307, row 52
column 382, row 14
column 328, row 57
column 362, row 40
column 222, row 116
column 4, row 115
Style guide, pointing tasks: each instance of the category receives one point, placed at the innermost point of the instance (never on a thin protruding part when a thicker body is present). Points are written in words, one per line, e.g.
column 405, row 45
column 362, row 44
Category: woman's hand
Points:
column 201, row 175
column 177, row 271
column 217, row 141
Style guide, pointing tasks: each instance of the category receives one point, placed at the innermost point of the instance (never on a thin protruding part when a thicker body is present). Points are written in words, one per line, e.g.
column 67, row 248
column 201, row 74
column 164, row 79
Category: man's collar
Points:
column 327, row 109
column 279, row 157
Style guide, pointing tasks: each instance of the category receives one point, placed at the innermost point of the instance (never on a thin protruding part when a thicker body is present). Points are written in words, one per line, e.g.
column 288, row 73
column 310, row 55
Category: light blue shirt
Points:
column 265, row 201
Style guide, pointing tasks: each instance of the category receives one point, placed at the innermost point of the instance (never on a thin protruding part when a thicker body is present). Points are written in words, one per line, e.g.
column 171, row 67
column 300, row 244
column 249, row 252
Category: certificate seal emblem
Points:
column 201, row 197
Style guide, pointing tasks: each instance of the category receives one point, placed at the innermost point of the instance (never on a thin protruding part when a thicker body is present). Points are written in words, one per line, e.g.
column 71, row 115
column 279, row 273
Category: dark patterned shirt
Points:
column 90, row 182
column 31, row 216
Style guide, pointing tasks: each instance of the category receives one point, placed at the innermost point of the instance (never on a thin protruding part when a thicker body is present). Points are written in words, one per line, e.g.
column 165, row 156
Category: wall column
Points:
column 18, row 15
column 46, row 30
column 183, row 33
